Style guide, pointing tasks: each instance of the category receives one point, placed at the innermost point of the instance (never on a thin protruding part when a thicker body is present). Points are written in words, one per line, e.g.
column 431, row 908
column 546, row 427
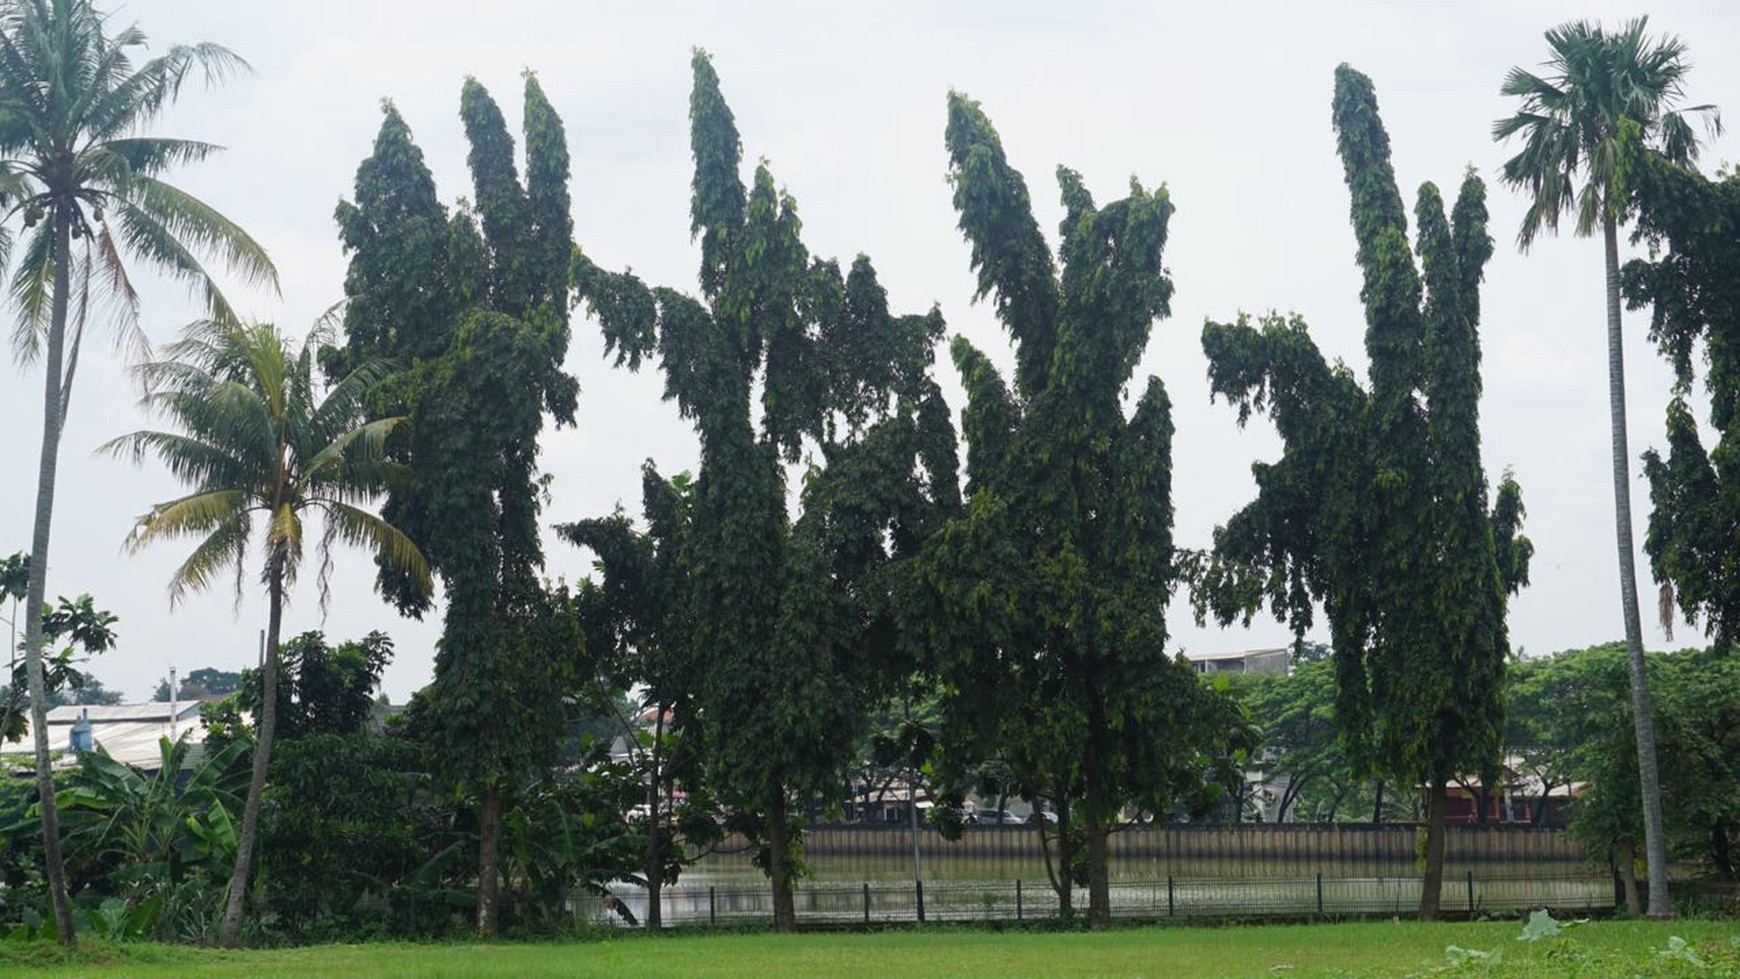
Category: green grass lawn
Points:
column 1616, row 948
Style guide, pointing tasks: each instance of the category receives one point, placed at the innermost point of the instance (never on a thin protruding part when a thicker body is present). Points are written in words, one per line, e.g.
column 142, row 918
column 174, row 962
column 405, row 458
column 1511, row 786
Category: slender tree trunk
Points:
column 1098, row 871
column 489, row 862
column 1335, row 804
column 1094, row 819
column 778, row 862
column 655, row 828
column 1377, row 808
column 229, row 933
column 1432, row 887
column 53, row 414
column 1721, row 853
column 1065, row 859
column 1642, row 705
column 1627, row 858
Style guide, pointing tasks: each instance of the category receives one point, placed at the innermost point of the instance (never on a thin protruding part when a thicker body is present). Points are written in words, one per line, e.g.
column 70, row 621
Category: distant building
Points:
column 1274, row 660
column 1518, row 797
column 128, row 732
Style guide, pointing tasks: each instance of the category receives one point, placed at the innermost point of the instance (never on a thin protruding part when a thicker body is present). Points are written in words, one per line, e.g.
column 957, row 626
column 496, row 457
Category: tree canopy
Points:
column 1377, row 508
column 1045, row 598
column 473, row 309
column 1693, row 293
column 792, row 615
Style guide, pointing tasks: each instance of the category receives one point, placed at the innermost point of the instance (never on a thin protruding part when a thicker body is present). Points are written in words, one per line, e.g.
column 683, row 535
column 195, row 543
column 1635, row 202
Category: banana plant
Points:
column 162, row 832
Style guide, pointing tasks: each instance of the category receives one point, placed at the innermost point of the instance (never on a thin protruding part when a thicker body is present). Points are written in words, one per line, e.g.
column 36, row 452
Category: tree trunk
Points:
column 1432, row 887
column 778, row 862
column 229, row 933
column 489, row 862
column 53, row 414
column 1377, row 808
column 1093, row 814
column 1065, row 860
column 1642, row 706
column 1627, row 858
column 655, row 828
column 1721, row 854
column 1098, row 871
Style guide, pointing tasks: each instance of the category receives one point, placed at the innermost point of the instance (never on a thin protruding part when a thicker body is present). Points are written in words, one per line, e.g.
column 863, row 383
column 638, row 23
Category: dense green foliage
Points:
column 1698, row 723
column 1377, row 509
column 257, row 436
column 1045, row 599
column 637, row 628
column 1693, row 290
column 474, row 311
column 792, row 618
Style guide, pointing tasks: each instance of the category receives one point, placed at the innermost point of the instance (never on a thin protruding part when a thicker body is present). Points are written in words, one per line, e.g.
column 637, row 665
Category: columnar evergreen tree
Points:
column 1047, row 596
column 1377, row 509
column 792, row 622
column 1569, row 122
column 475, row 310
column 1693, row 289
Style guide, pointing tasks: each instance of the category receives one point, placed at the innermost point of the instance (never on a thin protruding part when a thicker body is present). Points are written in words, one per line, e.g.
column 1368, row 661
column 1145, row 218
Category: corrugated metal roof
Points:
column 106, row 713
column 1236, row 654
column 128, row 732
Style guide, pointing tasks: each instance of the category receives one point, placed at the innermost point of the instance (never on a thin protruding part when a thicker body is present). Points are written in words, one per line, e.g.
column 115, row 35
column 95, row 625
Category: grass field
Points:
column 1616, row 948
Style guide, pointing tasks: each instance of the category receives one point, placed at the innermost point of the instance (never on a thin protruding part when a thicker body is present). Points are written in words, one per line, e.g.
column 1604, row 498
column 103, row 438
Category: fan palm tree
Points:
column 258, row 438
column 1569, row 122
column 77, row 168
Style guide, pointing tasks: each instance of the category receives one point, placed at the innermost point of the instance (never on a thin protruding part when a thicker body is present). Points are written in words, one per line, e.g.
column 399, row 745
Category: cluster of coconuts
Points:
column 33, row 215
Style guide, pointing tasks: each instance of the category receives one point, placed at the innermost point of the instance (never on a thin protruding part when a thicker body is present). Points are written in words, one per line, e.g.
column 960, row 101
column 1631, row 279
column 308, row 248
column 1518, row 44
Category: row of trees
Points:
column 1567, row 747
column 1032, row 604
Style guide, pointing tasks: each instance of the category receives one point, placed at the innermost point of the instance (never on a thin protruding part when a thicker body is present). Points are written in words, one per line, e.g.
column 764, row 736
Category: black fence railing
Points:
column 887, row 902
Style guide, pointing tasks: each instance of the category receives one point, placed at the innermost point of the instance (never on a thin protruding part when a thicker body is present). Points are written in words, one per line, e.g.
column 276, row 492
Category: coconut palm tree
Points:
column 1568, row 121
column 78, row 169
column 258, row 438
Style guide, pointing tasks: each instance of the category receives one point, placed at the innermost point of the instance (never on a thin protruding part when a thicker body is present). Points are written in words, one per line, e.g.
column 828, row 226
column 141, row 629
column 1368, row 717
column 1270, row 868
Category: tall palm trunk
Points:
column 1642, row 706
column 53, row 414
column 230, row 931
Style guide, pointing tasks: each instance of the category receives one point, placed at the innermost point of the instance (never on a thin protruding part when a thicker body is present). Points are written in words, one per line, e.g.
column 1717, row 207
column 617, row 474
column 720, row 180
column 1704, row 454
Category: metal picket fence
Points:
column 888, row 902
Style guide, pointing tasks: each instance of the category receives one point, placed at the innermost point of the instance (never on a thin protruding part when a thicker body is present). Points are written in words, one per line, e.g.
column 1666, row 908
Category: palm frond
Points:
column 359, row 527
column 197, row 513
column 225, row 546
column 202, row 226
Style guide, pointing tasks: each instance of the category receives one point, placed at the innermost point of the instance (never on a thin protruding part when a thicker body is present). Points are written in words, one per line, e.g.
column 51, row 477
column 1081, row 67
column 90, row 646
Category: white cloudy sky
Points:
column 1226, row 103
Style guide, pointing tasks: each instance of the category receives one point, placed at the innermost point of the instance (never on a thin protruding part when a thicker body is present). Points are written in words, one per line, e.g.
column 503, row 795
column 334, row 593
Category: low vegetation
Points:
column 1616, row 948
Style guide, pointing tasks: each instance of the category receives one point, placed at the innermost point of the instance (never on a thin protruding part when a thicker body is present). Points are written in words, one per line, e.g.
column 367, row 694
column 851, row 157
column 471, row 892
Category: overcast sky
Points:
column 1227, row 104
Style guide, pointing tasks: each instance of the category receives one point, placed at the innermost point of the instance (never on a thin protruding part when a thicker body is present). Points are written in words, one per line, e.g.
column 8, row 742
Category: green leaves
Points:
column 1044, row 599
column 257, row 438
column 776, row 635
column 1692, row 290
column 1570, row 121
column 1377, row 508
